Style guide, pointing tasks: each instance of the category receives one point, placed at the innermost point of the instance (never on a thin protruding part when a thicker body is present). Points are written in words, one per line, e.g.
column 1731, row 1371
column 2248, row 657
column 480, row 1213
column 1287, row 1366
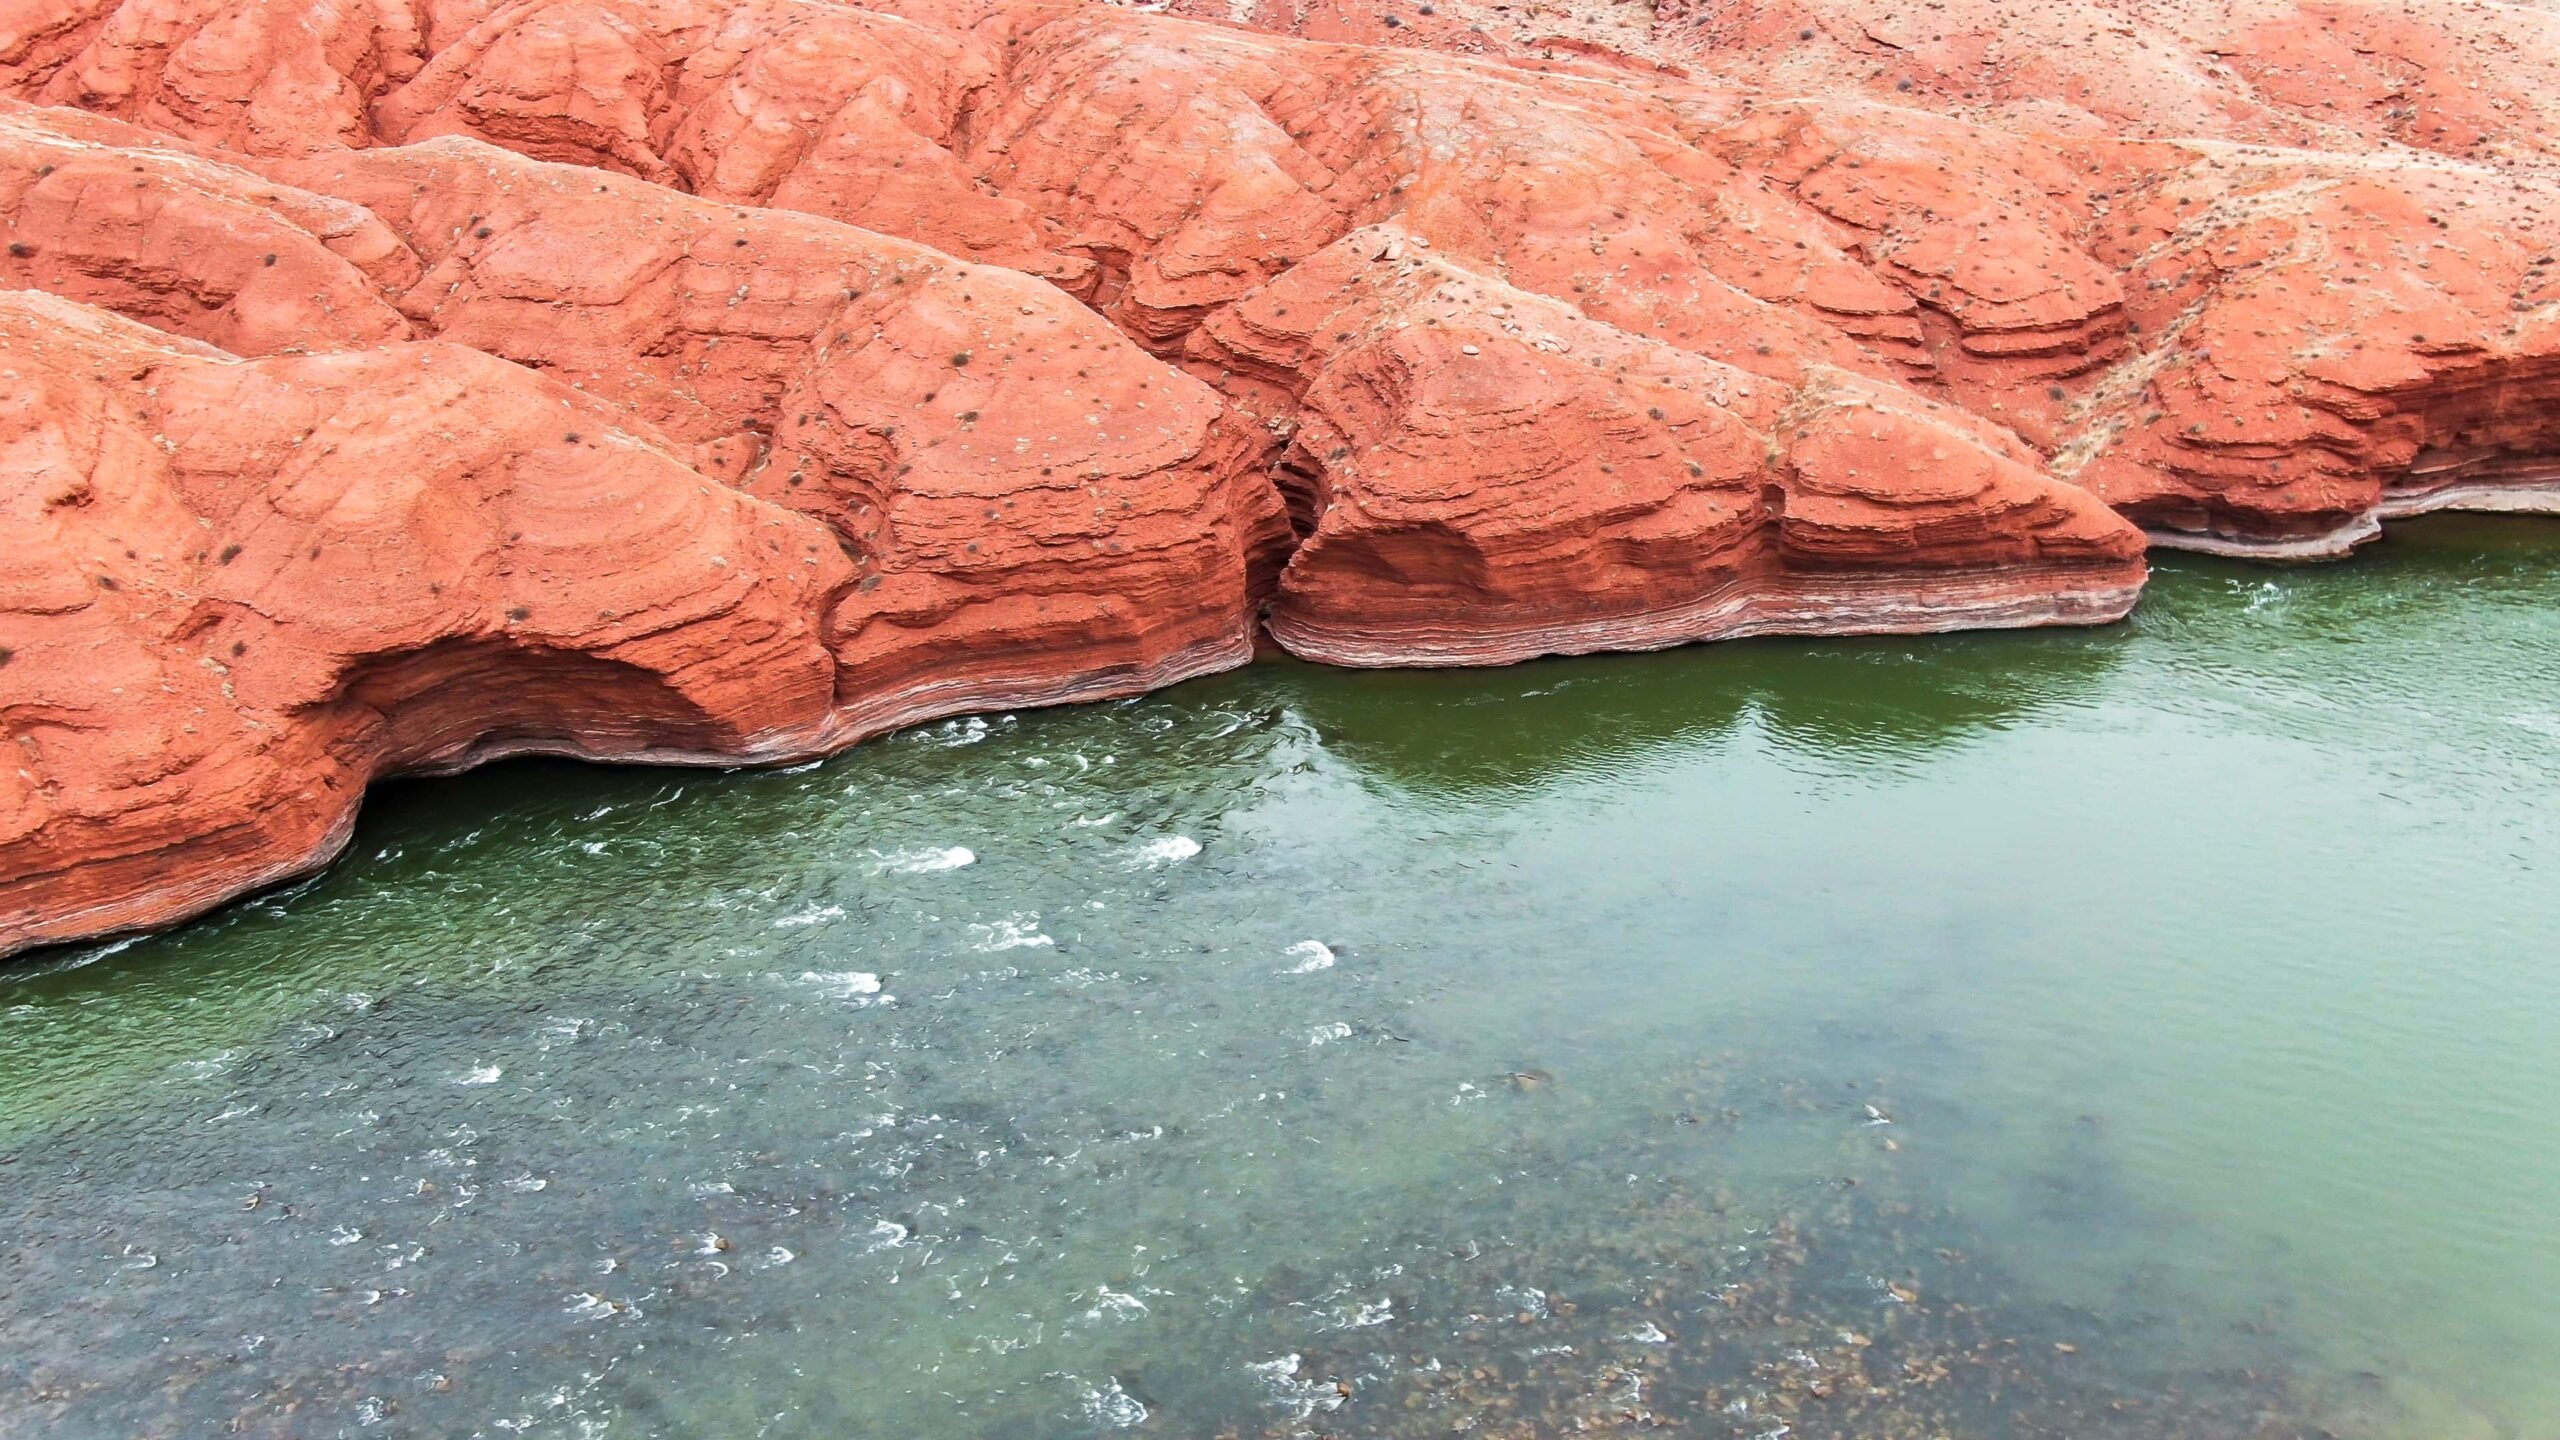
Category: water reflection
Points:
column 1992, row 1037
column 1889, row 700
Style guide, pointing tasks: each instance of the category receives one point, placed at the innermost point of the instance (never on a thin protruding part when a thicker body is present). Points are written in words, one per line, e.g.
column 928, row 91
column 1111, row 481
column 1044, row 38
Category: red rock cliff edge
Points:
column 390, row 385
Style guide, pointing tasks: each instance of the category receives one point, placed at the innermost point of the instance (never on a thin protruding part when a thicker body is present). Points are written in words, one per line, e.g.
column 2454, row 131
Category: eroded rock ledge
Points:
column 391, row 385
column 1482, row 475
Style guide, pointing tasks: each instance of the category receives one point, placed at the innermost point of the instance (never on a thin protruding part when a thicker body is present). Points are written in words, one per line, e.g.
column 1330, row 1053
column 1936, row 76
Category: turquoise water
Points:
column 2100, row 1035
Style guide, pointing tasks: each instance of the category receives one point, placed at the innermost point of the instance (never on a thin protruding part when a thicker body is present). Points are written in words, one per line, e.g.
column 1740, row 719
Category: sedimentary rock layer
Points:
column 932, row 355
column 237, row 590
column 1963, row 202
column 2327, row 346
column 1481, row 475
column 1008, row 503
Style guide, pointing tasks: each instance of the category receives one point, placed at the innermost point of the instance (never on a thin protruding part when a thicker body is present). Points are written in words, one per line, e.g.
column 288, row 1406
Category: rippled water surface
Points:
column 2150, row 1032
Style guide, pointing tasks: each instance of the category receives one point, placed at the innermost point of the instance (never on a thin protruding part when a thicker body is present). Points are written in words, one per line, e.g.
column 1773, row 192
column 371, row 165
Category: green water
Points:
column 2101, row 1036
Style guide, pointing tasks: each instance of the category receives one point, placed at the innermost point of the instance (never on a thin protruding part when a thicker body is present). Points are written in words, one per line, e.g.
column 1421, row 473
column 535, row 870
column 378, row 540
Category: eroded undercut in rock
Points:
column 722, row 381
column 1483, row 475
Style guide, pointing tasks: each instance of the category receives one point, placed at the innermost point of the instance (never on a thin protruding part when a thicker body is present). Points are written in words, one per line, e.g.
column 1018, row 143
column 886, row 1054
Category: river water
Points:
column 2111, row 1035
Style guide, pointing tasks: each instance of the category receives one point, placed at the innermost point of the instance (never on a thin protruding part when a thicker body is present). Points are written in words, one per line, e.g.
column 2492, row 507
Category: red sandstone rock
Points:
column 886, row 389
column 2328, row 344
column 2476, row 80
column 1163, row 169
column 1091, row 541
column 1036, row 511
column 198, row 248
column 1882, row 302
column 256, row 75
column 233, row 592
column 1482, row 475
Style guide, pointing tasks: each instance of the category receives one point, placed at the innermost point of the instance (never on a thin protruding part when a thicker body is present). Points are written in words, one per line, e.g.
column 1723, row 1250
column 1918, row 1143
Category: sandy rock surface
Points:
column 399, row 383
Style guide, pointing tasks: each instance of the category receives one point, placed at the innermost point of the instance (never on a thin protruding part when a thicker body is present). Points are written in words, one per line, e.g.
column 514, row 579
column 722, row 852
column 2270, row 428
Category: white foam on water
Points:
column 1169, row 850
column 1311, row 955
column 480, row 1075
column 1113, row 1407
column 1291, row 1391
column 526, row 1184
column 1327, row 1034
column 1368, row 1313
column 842, row 984
column 1107, row 1301
column 591, row 1306
column 927, row 861
column 886, row 1235
column 816, row 915
column 1649, row 1334
column 97, row 953
column 1523, row 1300
column 1016, row 933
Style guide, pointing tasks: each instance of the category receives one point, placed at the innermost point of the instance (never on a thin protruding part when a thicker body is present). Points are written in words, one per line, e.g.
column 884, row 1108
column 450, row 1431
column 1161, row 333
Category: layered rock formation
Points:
column 2329, row 345
column 975, row 494
column 1005, row 352
column 237, row 590
column 1481, row 475
column 1950, row 206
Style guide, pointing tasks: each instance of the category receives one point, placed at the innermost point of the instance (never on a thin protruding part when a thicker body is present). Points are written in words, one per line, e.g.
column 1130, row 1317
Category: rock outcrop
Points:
column 2461, row 78
column 1942, row 201
column 236, row 590
column 1481, row 475
column 1036, row 511
column 1006, row 502
column 1007, row 352
column 2327, row 345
